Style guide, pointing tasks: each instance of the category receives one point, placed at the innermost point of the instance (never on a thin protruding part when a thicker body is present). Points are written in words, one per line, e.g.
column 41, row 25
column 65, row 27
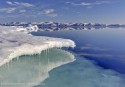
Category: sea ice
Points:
column 14, row 43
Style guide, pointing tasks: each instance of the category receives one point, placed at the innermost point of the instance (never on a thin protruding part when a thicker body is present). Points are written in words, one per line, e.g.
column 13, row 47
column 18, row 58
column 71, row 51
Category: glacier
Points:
column 16, row 41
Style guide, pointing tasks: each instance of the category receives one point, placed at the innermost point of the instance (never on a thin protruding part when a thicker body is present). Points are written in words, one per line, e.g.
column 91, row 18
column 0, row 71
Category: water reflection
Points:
column 68, row 28
column 105, row 46
column 28, row 71
column 88, row 26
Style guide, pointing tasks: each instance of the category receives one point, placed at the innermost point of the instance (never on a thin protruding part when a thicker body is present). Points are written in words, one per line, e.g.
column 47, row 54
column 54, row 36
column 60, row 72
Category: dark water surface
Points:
column 105, row 46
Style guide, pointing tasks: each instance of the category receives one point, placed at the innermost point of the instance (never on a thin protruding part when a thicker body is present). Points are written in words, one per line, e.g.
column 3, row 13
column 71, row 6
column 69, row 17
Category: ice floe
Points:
column 14, row 43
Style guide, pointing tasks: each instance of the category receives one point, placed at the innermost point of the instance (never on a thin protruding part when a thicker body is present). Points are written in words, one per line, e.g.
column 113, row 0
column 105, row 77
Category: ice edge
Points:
column 30, row 49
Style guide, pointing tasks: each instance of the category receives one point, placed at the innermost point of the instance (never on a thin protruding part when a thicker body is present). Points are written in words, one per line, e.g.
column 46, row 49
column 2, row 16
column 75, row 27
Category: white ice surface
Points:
column 14, row 43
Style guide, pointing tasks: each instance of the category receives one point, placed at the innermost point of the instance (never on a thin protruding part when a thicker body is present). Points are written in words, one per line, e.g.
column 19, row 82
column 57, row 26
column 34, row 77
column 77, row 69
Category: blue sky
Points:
column 94, row 11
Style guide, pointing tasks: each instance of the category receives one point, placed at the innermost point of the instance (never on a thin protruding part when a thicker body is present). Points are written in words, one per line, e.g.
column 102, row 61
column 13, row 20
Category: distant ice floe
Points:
column 28, row 29
column 14, row 43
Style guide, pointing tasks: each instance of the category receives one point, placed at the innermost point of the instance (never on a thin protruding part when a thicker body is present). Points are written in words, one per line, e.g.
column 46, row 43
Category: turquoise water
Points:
column 57, row 68
column 83, row 73
column 28, row 71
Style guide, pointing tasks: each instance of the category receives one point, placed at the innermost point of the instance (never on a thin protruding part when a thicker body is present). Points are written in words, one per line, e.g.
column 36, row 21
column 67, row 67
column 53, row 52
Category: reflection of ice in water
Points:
column 28, row 71
column 83, row 73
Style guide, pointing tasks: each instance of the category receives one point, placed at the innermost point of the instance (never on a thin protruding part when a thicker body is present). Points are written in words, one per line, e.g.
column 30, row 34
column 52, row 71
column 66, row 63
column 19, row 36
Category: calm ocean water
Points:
column 100, row 59
column 100, row 62
column 105, row 46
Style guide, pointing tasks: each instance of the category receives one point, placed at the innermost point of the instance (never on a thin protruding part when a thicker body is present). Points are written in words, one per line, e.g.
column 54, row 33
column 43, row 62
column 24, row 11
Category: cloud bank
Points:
column 22, row 4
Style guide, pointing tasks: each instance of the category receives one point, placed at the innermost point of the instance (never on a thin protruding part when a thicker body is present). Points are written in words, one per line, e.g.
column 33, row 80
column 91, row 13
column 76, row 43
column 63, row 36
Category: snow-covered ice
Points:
column 14, row 43
column 28, row 29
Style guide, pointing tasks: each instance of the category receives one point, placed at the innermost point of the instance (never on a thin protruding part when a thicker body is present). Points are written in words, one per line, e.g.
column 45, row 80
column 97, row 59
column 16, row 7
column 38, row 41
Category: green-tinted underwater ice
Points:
column 27, row 71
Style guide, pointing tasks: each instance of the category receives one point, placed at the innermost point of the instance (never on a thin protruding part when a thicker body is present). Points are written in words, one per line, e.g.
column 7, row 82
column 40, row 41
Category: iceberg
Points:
column 14, row 43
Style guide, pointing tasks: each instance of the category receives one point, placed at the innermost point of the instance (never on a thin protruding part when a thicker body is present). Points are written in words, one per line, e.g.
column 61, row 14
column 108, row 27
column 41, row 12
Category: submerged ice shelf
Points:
column 30, row 71
column 14, row 43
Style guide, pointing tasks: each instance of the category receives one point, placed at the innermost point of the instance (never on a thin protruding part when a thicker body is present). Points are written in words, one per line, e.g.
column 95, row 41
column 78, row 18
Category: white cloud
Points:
column 16, row 6
column 102, row 2
column 88, row 4
column 49, row 12
column 22, row 11
column 7, row 10
column 21, row 4
column 8, row 2
column 81, row 4
column 9, row 16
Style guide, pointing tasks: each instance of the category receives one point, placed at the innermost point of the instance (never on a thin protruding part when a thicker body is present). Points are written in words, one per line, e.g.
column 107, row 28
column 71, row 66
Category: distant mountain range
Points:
column 59, row 25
